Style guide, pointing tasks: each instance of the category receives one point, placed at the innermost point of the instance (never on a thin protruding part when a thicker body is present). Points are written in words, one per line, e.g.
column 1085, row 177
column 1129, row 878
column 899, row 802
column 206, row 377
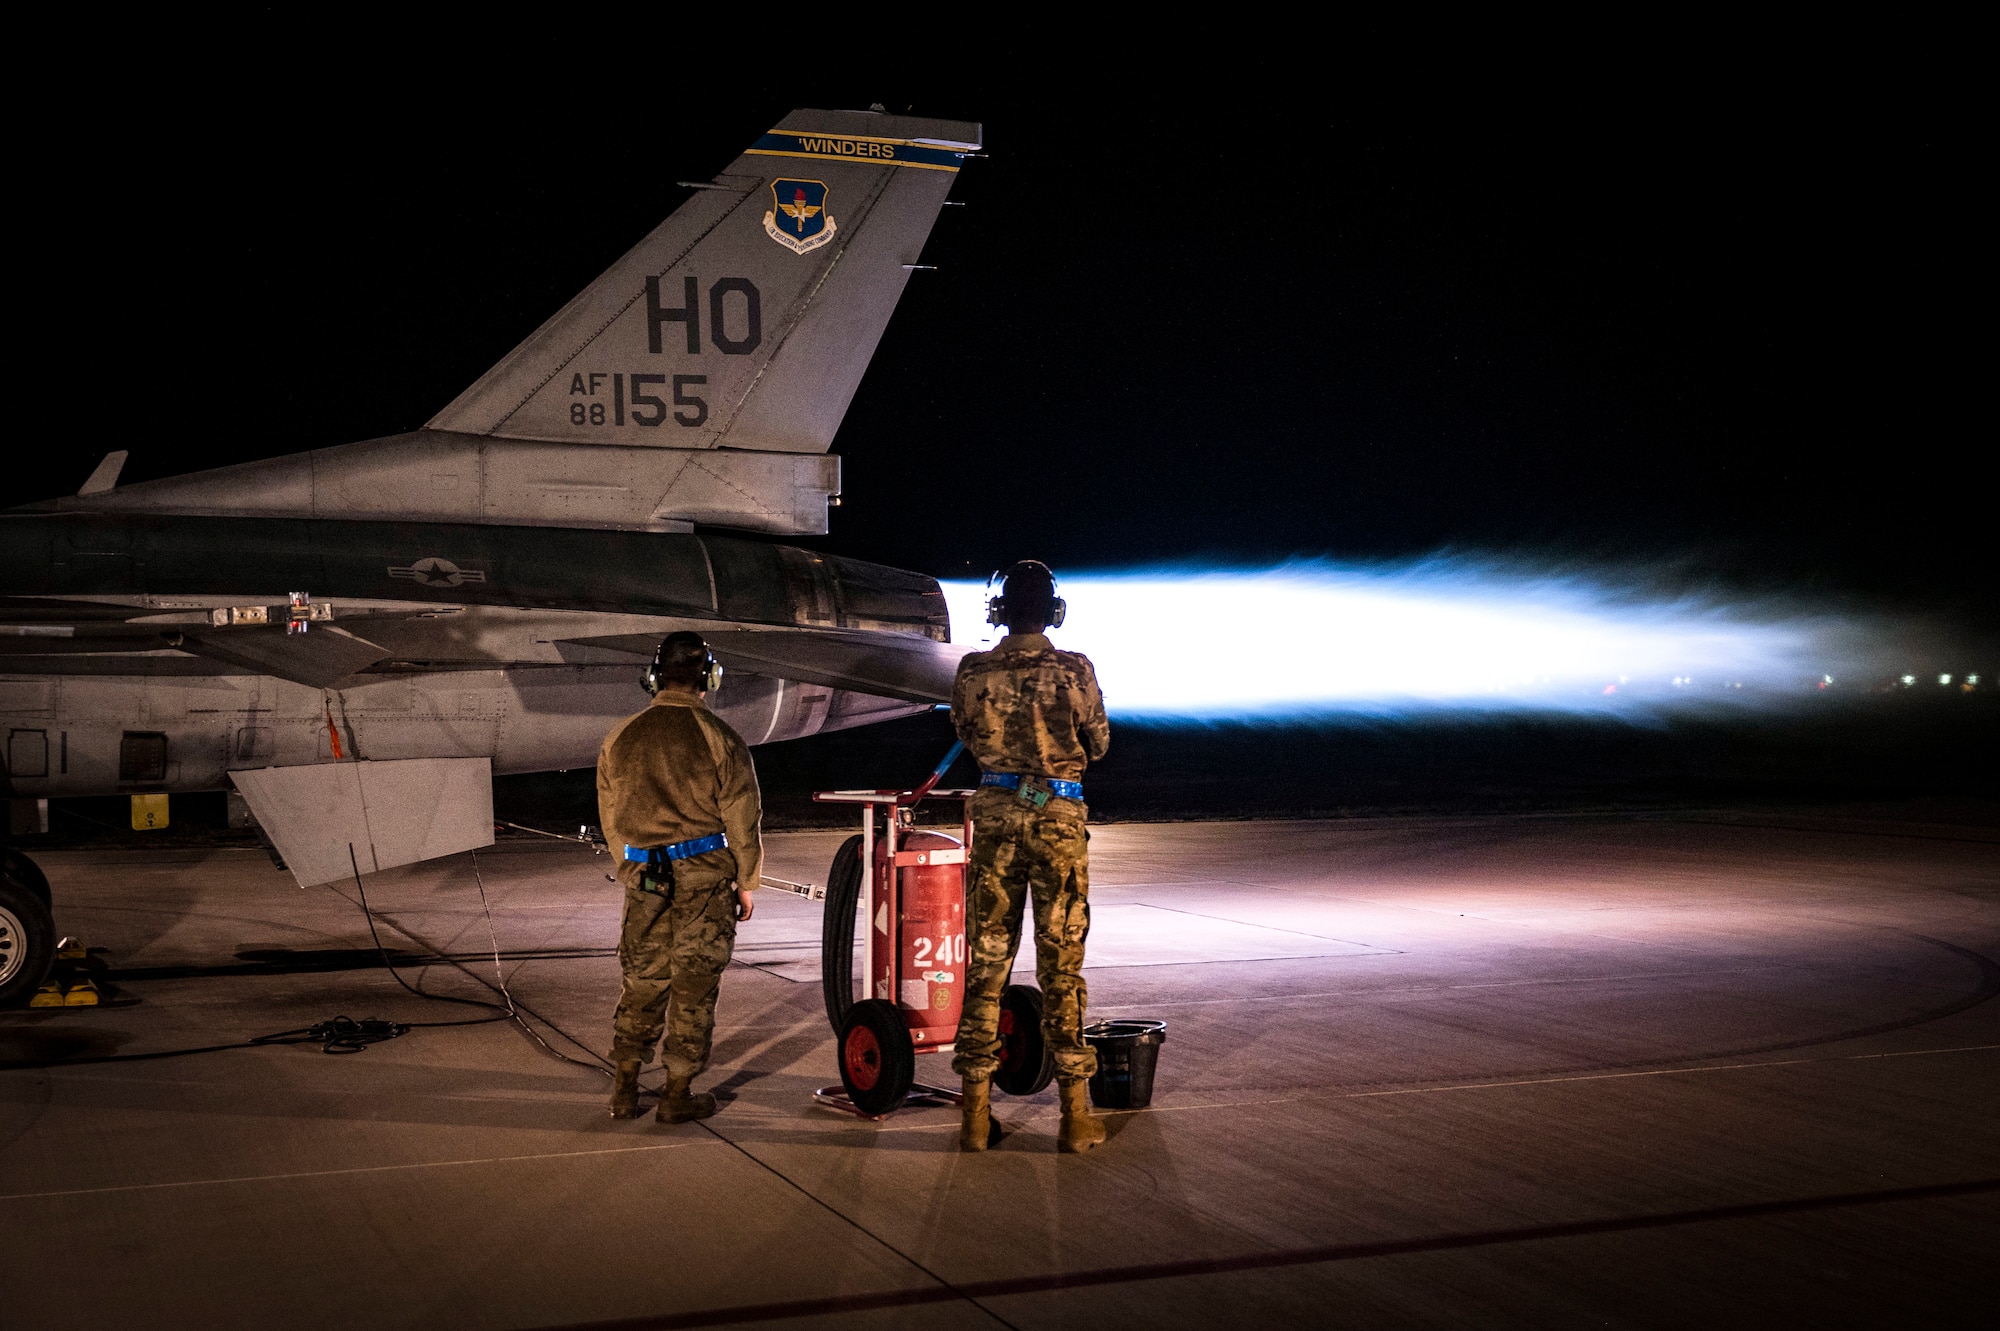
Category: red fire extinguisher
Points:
column 908, row 887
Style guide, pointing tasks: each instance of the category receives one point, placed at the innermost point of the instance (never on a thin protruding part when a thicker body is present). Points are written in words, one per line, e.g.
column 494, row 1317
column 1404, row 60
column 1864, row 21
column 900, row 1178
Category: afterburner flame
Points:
column 1320, row 637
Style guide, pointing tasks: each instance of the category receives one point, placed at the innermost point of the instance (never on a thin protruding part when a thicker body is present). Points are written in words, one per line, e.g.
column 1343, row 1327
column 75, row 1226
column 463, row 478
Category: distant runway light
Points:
column 1311, row 638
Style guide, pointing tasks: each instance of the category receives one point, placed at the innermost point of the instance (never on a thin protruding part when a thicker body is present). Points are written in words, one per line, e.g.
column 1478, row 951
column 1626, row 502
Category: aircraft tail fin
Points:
column 746, row 319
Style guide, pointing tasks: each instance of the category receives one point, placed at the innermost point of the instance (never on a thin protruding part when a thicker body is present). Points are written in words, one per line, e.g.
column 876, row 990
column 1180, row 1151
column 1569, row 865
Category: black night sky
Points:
column 1717, row 326
column 1700, row 330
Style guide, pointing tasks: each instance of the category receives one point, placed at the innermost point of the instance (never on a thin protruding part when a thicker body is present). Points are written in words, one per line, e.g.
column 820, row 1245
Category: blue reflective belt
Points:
column 1069, row 790
column 680, row 850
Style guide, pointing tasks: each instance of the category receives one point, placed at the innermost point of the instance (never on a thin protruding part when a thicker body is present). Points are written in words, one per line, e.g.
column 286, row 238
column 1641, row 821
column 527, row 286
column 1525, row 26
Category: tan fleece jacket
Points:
column 674, row 772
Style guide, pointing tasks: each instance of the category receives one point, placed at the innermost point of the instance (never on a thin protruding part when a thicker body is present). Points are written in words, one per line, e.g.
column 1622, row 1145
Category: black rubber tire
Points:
column 27, row 941
column 15, row 865
column 1026, row 1066
column 836, row 935
column 877, row 1060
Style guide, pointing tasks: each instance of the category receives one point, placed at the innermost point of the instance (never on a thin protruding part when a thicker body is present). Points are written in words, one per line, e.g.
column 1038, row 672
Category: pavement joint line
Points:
column 1659, row 1072
column 358, row 1169
column 1247, row 924
column 1911, row 1053
column 775, row 1114
column 1106, row 1113
column 1052, row 1282
column 716, row 1135
column 1435, row 988
column 1478, row 1086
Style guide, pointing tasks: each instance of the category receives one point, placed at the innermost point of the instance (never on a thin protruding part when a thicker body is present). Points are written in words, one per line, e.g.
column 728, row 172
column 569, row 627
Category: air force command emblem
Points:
column 799, row 218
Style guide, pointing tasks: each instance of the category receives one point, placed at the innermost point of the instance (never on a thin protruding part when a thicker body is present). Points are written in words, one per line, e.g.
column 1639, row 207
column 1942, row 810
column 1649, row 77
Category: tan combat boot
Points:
column 1081, row 1129
column 975, row 1126
column 625, row 1089
column 677, row 1106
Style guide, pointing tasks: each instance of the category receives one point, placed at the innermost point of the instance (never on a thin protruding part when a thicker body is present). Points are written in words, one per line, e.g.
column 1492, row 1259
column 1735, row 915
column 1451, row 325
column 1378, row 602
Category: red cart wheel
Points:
column 1026, row 1066
column 877, row 1060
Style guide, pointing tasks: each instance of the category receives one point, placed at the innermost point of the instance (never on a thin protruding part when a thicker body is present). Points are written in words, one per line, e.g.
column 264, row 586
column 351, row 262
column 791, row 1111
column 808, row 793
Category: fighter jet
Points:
column 356, row 639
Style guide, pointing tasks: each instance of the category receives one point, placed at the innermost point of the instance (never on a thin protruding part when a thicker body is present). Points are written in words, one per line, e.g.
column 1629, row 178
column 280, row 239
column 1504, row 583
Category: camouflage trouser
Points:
column 1019, row 851
column 674, row 952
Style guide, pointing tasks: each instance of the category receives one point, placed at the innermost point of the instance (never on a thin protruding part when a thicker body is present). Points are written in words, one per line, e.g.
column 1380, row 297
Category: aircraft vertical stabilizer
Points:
column 746, row 319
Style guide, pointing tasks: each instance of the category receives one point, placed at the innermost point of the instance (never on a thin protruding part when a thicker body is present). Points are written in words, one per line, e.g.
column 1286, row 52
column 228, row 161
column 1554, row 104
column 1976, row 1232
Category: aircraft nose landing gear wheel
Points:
column 27, row 941
column 1026, row 1066
column 877, row 1060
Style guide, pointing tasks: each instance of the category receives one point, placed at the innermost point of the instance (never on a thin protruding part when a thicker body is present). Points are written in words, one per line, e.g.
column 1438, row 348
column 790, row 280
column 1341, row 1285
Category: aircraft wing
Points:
column 887, row 665
column 318, row 659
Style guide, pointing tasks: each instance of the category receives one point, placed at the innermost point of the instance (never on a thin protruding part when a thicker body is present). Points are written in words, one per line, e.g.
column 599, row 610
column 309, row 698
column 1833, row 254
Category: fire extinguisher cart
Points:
column 907, row 886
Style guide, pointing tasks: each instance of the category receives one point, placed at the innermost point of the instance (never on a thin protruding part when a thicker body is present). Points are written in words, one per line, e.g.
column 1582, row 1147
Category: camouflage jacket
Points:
column 1026, row 707
column 674, row 772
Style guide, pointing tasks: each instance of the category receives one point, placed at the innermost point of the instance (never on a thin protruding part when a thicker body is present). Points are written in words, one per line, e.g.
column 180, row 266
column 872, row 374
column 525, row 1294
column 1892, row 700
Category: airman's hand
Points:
column 745, row 904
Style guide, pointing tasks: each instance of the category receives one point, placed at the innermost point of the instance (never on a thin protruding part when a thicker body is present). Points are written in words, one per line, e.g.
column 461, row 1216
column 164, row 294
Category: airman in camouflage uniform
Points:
column 1031, row 712
column 676, row 773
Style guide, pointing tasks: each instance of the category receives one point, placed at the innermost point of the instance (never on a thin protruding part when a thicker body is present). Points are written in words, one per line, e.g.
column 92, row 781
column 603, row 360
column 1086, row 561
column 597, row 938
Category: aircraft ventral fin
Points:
column 390, row 813
column 104, row 479
column 747, row 318
column 887, row 665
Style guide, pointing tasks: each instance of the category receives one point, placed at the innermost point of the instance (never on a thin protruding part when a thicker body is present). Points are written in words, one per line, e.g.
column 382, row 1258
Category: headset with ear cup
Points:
column 1036, row 586
column 679, row 652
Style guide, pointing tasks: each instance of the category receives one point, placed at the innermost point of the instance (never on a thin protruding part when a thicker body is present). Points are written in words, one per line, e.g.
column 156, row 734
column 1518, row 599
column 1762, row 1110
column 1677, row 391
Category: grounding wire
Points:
column 515, row 1009
column 500, row 1013
column 492, row 935
column 342, row 1034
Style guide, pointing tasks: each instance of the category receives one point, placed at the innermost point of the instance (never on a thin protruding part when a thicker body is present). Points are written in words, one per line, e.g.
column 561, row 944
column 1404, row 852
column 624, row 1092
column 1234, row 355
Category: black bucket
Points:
column 1127, row 1053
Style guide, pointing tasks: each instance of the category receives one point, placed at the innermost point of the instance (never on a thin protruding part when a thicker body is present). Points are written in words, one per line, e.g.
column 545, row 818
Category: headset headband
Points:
column 711, row 669
column 997, row 607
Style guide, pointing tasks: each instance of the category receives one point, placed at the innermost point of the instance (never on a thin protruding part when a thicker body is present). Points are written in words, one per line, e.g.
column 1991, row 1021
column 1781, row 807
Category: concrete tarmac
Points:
column 1631, row 1070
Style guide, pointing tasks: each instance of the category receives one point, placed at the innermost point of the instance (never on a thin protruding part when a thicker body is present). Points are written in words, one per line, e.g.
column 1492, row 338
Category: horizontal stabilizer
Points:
column 887, row 665
column 318, row 659
column 429, row 476
column 390, row 813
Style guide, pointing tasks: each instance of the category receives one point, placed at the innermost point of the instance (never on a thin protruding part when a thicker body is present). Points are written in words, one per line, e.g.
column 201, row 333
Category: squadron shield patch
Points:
column 799, row 218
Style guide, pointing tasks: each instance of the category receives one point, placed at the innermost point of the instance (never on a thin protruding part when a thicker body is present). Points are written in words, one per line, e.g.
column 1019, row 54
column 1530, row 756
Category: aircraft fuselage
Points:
column 172, row 665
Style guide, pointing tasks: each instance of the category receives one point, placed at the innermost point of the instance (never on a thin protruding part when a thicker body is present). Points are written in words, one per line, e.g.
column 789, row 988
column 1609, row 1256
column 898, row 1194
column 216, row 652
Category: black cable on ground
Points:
column 500, row 1013
column 344, row 1035
column 335, row 1035
column 500, row 981
column 516, row 1010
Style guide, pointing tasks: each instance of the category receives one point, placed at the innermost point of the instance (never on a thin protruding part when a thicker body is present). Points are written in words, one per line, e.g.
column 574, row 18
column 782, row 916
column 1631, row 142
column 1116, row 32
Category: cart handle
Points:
column 937, row 775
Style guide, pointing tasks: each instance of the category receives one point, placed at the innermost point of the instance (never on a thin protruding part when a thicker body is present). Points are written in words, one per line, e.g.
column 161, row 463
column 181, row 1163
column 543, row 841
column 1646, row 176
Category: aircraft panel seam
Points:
column 806, row 303
column 708, row 563
column 617, row 314
column 777, row 710
column 754, row 502
column 367, row 826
